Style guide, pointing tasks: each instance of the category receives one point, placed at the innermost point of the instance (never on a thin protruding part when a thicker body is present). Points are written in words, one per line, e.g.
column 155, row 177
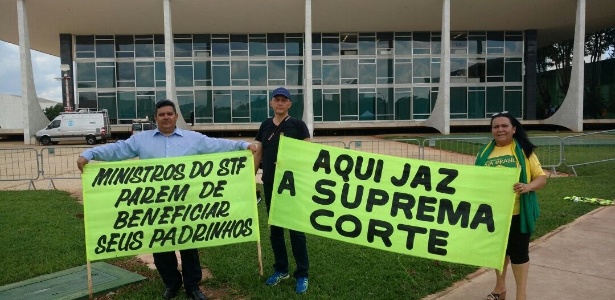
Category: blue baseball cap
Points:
column 281, row 92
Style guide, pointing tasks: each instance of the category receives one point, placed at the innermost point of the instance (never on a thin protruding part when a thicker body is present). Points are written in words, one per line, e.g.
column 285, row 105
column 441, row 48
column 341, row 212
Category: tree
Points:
column 544, row 64
column 53, row 111
column 558, row 56
column 596, row 45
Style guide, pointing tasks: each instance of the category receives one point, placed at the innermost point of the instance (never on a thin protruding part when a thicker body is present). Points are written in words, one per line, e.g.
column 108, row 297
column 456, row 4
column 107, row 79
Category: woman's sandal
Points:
column 494, row 296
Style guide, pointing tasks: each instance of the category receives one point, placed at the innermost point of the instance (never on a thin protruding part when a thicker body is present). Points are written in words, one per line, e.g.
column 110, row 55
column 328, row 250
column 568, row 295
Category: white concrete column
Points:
column 169, row 62
column 440, row 117
column 308, row 95
column 33, row 117
column 570, row 113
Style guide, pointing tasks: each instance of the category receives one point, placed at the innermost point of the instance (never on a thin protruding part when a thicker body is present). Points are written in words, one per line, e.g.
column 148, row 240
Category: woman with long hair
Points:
column 512, row 148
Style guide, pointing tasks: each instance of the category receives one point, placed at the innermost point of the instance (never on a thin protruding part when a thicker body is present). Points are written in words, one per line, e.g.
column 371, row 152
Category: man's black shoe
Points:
column 196, row 295
column 170, row 293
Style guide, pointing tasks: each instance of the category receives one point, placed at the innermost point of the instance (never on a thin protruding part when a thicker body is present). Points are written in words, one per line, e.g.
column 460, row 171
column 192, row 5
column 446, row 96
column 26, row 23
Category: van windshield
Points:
column 137, row 127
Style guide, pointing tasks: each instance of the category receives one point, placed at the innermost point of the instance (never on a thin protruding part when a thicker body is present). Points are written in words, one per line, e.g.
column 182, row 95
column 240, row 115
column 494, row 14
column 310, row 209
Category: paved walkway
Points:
column 575, row 262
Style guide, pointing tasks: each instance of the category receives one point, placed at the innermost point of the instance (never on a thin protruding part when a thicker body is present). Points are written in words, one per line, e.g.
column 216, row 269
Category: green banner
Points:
column 165, row 204
column 447, row 212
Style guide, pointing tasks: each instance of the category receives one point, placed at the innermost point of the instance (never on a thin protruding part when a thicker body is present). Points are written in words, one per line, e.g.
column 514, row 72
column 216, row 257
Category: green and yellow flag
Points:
column 155, row 205
column 447, row 212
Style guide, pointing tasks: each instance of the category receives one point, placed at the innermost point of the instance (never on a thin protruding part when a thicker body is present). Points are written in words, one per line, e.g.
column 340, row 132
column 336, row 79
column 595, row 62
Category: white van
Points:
column 84, row 124
column 138, row 126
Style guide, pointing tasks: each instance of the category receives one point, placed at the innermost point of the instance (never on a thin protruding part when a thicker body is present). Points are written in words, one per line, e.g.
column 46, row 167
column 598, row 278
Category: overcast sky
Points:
column 46, row 69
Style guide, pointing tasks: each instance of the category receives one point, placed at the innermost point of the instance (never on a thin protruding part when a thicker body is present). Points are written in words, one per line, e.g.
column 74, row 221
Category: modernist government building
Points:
column 348, row 63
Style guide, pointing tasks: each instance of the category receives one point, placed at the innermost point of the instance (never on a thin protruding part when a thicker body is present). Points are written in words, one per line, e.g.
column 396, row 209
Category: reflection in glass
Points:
column 477, row 45
column 239, row 42
column 403, row 73
column 221, row 75
column 241, row 105
column 186, row 104
column 125, row 71
column 384, row 40
column 317, row 105
column 145, row 74
column 421, row 70
column 87, row 100
column 367, row 45
column 349, row 70
column 146, row 104
column 104, row 49
column 514, row 71
column 127, row 105
column 330, row 46
column 476, row 103
column 397, row 64
column 202, row 70
column 258, row 75
column 476, row 70
column 459, row 102
column 259, row 104
column 458, row 67
column 294, row 75
column 276, row 69
column 203, row 106
column 421, row 104
column 105, row 77
column 367, row 106
column 331, row 107
column 183, row 75
column 331, row 75
column 495, row 99
column 367, row 73
column 144, row 47
column 108, row 101
column 239, row 70
column 349, row 104
column 294, row 47
column 220, row 47
column 384, row 103
column 182, row 47
column 402, row 104
column 222, row 107
column 495, row 69
column 403, row 45
column 86, row 75
column 84, row 43
column 514, row 103
column 258, row 47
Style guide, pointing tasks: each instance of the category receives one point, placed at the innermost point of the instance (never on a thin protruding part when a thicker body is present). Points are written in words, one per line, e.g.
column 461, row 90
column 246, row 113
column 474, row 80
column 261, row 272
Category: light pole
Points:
column 65, row 78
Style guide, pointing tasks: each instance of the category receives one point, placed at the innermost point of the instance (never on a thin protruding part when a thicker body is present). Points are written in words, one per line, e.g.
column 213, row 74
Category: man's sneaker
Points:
column 302, row 285
column 276, row 278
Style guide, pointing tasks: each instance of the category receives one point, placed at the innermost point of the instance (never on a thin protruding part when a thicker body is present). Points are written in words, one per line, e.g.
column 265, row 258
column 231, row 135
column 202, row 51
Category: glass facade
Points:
column 365, row 76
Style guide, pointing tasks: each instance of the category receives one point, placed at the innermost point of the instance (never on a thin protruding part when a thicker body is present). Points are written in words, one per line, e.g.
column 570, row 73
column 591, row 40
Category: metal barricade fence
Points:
column 409, row 148
column 549, row 151
column 19, row 165
column 453, row 150
column 60, row 162
column 338, row 144
column 589, row 148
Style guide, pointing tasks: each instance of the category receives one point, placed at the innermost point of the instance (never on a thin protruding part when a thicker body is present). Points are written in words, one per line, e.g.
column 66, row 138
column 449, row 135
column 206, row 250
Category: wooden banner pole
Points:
column 260, row 258
column 89, row 270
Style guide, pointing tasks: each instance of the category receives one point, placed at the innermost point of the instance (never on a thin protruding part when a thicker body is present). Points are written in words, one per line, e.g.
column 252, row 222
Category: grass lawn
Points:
column 42, row 232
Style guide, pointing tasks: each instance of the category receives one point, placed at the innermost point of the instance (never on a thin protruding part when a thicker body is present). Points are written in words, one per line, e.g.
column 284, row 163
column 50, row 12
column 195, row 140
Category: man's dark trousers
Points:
column 166, row 263
column 297, row 242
